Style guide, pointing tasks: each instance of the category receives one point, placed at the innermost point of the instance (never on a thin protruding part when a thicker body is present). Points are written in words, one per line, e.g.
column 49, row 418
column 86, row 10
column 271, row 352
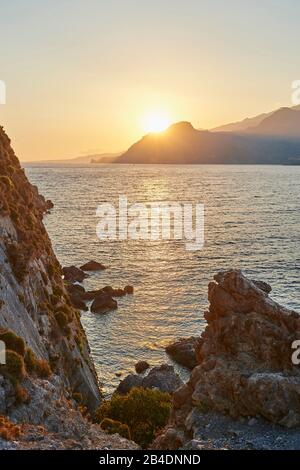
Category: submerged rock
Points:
column 114, row 292
column 141, row 366
column 73, row 274
column 129, row 289
column 103, row 302
column 92, row 266
column 183, row 351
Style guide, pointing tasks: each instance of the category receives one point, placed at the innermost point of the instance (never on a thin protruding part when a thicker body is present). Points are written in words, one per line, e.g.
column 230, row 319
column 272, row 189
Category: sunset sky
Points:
column 83, row 76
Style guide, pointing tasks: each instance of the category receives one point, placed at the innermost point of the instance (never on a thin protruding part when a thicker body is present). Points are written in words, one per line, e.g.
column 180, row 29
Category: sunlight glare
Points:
column 156, row 121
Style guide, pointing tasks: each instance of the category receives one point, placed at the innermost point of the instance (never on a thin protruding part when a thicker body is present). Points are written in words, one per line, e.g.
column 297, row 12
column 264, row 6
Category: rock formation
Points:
column 244, row 358
column 163, row 377
column 48, row 367
column 183, row 351
column 92, row 266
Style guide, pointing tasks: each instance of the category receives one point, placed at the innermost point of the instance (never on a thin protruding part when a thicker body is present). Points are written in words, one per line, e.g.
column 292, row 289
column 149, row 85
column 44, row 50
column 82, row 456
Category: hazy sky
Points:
column 81, row 75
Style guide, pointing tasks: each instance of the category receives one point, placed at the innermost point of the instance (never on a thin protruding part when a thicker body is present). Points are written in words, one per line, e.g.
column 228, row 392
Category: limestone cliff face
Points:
column 33, row 300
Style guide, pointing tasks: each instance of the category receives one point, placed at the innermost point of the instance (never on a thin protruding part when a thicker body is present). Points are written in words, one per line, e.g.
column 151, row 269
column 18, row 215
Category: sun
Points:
column 156, row 121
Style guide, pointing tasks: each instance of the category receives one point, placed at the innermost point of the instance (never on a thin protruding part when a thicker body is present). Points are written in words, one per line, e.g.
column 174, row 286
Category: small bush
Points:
column 18, row 260
column 61, row 319
column 14, row 367
column 30, row 360
column 115, row 427
column 43, row 369
column 40, row 367
column 12, row 341
column 8, row 430
column 21, row 395
column 144, row 411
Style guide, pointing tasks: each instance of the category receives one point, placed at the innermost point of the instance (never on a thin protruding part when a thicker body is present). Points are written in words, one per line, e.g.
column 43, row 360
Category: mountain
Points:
column 282, row 123
column 183, row 144
column 82, row 160
column 240, row 126
column 245, row 124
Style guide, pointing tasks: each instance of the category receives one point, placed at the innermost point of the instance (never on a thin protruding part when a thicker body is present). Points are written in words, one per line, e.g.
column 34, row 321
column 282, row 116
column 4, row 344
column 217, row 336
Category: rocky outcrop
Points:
column 73, row 274
column 103, row 299
column 92, row 266
column 103, row 303
column 244, row 358
column 183, row 351
column 52, row 420
column 34, row 304
column 163, row 377
column 141, row 366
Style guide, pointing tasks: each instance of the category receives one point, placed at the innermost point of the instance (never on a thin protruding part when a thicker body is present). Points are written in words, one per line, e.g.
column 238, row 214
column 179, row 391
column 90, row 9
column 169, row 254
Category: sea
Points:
column 251, row 222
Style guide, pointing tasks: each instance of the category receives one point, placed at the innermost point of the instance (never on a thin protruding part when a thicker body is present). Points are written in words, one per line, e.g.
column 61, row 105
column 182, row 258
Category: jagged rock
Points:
column 73, row 274
column 92, row 266
column 183, row 351
column 77, row 296
column 52, row 422
column 128, row 383
column 161, row 377
column 141, row 366
column 103, row 302
column 245, row 366
column 264, row 286
column 113, row 292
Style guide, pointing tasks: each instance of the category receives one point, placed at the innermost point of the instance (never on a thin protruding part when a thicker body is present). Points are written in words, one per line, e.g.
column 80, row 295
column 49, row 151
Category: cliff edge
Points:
column 49, row 378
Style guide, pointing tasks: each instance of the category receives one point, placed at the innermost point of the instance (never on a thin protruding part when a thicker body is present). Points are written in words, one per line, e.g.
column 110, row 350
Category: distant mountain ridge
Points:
column 274, row 139
column 82, row 160
column 247, row 123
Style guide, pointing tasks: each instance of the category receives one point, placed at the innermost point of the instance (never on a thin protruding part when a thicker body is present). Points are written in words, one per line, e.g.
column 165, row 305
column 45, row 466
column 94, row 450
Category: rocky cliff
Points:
column 49, row 377
column 244, row 372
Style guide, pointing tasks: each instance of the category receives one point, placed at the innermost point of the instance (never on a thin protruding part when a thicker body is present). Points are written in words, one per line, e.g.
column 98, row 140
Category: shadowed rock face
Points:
column 163, row 377
column 244, row 356
column 183, row 351
column 32, row 291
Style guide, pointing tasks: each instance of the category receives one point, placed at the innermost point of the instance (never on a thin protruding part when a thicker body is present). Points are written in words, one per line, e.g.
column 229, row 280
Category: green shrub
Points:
column 61, row 319
column 12, row 341
column 40, row 367
column 43, row 369
column 144, row 411
column 57, row 290
column 115, row 427
column 14, row 367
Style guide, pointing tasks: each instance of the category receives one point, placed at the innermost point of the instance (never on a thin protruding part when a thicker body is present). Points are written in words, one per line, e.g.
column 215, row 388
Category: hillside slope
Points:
column 49, row 378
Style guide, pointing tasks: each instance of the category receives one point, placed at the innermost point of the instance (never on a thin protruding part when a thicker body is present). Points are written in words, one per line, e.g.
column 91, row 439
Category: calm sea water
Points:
column 252, row 223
